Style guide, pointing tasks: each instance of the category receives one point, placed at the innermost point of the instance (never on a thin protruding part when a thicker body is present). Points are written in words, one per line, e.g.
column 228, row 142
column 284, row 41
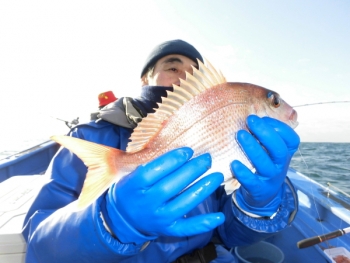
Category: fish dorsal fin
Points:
column 202, row 79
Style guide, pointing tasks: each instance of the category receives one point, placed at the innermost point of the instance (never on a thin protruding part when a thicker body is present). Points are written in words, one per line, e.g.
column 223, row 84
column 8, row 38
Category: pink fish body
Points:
column 203, row 113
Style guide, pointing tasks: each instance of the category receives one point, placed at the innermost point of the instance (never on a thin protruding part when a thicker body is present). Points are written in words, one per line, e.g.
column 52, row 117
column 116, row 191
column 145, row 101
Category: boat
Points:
column 322, row 210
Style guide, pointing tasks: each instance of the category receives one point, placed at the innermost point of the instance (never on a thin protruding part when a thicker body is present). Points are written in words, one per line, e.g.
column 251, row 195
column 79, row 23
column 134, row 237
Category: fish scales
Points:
column 205, row 118
column 203, row 125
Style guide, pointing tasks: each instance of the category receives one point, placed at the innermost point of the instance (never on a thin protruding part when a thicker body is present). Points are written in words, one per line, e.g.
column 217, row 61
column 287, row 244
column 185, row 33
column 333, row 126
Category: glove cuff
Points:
column 285, row 215
column 268, row 210
column 119, row 227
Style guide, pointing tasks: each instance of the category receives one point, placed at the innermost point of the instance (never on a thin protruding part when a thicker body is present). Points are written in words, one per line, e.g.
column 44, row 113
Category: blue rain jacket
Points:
column 55, row 233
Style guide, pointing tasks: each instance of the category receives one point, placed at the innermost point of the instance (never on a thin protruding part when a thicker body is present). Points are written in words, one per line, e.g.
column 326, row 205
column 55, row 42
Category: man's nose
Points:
column 183, row 73
column 181, row 76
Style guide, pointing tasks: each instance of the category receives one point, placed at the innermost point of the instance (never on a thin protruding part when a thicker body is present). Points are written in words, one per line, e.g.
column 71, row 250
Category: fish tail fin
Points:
column 99, row 159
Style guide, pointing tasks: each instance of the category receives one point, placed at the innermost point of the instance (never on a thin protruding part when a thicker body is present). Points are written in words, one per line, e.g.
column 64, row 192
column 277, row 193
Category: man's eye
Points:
column 173, row 69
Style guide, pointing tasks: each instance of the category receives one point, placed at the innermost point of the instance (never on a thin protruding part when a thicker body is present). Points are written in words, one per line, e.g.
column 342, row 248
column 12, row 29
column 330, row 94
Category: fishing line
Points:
column 312, row 189
column 307, row 168
column 326, row 102
column 302, row 158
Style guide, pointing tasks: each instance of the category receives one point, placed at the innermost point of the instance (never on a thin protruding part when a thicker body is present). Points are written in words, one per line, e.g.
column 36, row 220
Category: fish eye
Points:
column 274, row 98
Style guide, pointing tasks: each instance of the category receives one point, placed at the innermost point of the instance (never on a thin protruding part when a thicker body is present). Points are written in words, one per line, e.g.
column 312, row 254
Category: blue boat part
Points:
column 34, row 160
column 321, row 209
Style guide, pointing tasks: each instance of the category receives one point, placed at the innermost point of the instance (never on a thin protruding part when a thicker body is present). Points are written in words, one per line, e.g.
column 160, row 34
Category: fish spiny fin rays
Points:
column 202, row 79
column 219, row 77
column 100, row 160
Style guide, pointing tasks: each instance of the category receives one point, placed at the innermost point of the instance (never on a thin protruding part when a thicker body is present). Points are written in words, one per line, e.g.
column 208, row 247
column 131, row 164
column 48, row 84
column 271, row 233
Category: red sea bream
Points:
column 203, row 113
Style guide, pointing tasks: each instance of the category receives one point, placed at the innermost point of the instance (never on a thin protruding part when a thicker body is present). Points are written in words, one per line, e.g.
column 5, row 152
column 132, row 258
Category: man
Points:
column 142, row 218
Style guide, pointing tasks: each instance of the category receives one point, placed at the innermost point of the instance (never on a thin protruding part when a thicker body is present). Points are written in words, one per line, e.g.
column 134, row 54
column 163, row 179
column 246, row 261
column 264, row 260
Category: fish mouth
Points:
column 293, row 119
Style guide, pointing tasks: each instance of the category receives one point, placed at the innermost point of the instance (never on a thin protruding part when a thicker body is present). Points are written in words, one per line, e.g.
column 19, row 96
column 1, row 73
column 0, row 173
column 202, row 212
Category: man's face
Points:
column 168, row 70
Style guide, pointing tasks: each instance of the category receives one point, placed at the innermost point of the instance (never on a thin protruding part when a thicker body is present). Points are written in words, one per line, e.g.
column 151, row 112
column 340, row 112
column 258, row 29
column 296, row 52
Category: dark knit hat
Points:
column 177, row 46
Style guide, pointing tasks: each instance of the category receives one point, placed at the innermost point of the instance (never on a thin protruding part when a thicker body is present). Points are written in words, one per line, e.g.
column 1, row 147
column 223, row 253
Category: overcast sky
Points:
column 57, row 56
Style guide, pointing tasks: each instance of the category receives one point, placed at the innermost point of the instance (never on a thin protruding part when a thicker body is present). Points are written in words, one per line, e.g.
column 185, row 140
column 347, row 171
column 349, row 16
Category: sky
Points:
column 57, row 56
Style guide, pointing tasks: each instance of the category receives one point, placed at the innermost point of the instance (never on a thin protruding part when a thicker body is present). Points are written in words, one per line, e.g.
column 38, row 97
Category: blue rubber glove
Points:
column 269, row 147
column 150, row 201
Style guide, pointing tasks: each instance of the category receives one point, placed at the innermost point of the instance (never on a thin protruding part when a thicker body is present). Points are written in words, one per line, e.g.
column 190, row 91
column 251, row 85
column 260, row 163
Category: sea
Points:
column 326, row 163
